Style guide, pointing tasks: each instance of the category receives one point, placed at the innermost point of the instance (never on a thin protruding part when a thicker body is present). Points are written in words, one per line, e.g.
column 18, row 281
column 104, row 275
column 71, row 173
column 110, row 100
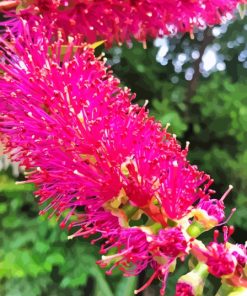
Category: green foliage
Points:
column 169, row 117
column 126, row 286
column 36, row 258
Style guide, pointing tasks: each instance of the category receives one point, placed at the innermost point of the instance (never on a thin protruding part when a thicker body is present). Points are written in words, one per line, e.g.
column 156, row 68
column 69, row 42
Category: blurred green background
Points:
column 199, row 86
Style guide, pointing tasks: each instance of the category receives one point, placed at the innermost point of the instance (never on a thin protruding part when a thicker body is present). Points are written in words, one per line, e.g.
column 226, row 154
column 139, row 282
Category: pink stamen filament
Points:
column 226, row 193
column 110, row 257
column 229, row 217
column 148, row 283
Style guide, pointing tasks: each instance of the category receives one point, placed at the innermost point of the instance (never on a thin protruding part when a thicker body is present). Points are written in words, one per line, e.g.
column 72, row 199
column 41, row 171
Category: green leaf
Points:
column 55, row 259
column 102, row 287
column 73, row 282
column 11, row 222
column 3, row 208
column 126, row 286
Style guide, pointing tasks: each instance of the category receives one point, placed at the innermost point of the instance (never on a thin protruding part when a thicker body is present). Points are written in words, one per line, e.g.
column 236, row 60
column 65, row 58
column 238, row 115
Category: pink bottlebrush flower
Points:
column 184, row 289
column 224, row 260
column 94, row 221
column 210, row 213
column 173, row 189
column 99, row 162
column 219, row 260
column 103, row 144
column 218, row 256
column 165, row 247
column 213, row 208
column 120, row 21
column 169, row 242
column 131, row 253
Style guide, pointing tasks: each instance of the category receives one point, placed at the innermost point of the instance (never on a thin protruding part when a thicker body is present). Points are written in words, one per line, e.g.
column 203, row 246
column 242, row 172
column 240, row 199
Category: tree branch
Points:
column 192, row 86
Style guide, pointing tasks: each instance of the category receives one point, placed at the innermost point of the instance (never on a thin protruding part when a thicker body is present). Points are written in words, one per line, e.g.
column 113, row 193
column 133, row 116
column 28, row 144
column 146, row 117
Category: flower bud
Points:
column 192, row 283
column 208, row 214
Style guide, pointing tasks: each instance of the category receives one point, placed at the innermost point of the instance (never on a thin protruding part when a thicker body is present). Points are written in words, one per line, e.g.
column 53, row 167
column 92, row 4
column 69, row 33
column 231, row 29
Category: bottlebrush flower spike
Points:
column 103, row 143
column 99, row 162
column 120, row 21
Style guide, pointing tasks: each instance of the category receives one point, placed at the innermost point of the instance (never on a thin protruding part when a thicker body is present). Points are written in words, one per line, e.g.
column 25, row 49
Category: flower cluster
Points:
column 96, row 159
column 224, row 260
column 120, row 21
column 103, row 166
